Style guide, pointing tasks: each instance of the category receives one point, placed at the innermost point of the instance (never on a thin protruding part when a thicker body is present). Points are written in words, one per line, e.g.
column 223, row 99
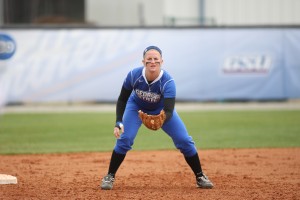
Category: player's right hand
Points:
column 118, row 127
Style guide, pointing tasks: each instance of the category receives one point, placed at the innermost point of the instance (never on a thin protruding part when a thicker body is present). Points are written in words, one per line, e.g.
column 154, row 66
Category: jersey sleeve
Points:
column 169, row 89
column 127, row 84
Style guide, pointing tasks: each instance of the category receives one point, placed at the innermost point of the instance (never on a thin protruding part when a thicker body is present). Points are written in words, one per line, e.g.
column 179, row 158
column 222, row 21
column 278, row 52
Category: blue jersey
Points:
column 149, row 96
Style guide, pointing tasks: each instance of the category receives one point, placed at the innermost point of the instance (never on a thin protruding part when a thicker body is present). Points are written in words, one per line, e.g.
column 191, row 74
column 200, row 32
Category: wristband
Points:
column 119, row 125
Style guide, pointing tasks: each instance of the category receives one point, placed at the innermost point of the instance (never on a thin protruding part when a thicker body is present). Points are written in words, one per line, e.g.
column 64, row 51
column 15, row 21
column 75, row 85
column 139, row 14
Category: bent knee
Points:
column 123, row 145
column 186, row 147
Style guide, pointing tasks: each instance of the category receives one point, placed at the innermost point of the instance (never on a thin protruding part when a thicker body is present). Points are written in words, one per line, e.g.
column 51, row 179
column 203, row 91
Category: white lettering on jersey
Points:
column 148, row 96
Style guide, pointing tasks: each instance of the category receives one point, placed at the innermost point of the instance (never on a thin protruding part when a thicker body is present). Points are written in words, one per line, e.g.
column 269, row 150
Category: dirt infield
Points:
column 236, row 173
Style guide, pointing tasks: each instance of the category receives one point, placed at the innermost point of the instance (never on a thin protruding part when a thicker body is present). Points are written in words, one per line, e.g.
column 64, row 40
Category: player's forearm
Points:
column 169, row 104
column 121, row 104
column 120, row 110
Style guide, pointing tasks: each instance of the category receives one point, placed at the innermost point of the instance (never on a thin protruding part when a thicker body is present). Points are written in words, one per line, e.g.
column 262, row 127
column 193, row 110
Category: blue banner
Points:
column 74, row 65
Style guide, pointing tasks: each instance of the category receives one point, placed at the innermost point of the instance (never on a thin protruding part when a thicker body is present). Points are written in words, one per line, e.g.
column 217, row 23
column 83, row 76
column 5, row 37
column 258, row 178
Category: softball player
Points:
column 150, row 89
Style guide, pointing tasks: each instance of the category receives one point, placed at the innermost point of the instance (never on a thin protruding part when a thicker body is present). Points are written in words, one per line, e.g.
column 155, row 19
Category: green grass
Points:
column 81, row 132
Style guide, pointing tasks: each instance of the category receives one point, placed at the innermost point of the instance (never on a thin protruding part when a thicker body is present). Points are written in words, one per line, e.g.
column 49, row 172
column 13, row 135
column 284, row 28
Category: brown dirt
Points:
column 236, row 173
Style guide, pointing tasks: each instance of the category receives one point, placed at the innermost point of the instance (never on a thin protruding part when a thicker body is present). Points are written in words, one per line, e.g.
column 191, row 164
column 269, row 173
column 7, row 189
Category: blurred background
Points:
column 140, row 13
column 71, row 51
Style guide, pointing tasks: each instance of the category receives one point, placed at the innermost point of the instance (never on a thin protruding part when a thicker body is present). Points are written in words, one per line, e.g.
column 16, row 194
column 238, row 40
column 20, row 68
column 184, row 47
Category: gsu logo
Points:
column 247, row 64
column 7, row 47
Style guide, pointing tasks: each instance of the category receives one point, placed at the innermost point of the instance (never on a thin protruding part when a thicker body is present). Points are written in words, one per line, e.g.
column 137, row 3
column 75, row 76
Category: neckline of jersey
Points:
column 159, row 76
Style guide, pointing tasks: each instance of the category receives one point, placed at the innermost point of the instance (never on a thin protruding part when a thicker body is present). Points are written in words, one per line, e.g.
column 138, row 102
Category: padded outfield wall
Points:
column 216, row 64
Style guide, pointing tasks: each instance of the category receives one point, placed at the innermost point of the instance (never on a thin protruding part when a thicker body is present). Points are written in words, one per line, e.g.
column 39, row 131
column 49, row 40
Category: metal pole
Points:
column 1, row 12
column 141, row 13
column 202, row 12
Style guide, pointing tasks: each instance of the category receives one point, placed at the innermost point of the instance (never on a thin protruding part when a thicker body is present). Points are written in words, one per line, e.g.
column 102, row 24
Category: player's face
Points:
column 152, row 61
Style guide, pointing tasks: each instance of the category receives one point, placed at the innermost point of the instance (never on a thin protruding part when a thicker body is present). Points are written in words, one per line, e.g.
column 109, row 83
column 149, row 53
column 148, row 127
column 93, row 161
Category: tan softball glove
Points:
column 153, row 122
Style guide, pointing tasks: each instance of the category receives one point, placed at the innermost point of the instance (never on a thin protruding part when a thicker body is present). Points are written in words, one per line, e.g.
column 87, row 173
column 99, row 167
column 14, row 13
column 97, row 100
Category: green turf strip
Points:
column 82, row 132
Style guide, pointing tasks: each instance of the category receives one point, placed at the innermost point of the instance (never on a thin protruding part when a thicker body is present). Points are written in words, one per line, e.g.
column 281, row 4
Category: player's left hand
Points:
column 153, row 122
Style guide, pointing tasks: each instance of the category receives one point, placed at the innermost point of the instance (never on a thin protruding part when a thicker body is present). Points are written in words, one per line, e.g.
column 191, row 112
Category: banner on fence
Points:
column 70, row 65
